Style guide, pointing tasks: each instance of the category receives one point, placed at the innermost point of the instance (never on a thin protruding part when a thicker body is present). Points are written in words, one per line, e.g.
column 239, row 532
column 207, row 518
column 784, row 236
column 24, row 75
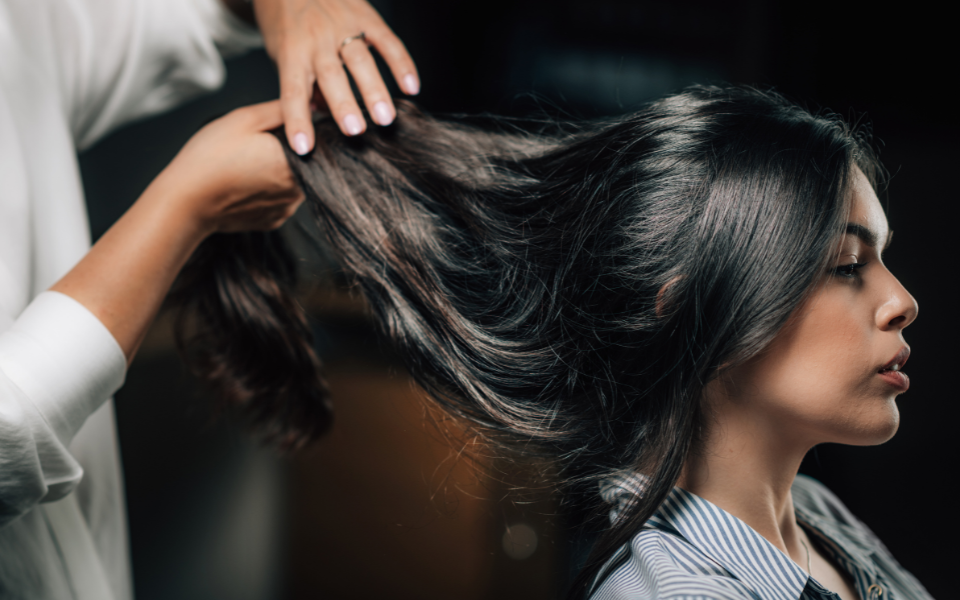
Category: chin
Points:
column 875, row 428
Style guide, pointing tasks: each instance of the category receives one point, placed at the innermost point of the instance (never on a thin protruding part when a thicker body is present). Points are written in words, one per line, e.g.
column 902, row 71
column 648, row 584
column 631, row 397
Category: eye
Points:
column 849, row 271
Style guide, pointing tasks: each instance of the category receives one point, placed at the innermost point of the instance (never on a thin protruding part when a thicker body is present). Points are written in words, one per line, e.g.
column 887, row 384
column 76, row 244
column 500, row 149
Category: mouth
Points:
column 892, row 372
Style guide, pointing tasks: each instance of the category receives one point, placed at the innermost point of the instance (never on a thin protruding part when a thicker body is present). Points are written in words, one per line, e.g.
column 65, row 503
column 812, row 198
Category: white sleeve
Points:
column 121, row 60
column 58, row 364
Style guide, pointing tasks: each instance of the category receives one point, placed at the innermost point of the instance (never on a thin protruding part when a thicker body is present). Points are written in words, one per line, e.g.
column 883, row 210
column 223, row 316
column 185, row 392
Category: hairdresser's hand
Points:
column 306, row 39
column 232, row 175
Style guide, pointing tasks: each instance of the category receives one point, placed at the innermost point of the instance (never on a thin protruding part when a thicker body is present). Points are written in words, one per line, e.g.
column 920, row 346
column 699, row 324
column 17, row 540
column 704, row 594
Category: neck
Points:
column 746, row 467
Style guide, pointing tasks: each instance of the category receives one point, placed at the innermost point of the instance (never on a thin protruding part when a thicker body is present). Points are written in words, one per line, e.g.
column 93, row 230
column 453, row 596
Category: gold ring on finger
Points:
column 359, row 36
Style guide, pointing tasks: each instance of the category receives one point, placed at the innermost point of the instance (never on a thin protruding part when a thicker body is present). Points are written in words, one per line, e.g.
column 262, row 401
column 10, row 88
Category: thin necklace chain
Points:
column 808, row 557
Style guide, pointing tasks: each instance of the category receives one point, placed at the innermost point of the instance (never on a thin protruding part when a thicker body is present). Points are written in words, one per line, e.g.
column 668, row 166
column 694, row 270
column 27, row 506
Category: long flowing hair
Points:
column 569, row 288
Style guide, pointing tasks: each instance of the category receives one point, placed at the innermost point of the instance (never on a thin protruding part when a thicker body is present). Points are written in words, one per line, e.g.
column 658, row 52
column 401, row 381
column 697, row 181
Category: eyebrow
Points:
column 868, row 237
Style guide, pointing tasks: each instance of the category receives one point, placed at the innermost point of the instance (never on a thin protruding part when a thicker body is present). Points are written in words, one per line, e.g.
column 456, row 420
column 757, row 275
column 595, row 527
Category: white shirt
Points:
column 71, row 71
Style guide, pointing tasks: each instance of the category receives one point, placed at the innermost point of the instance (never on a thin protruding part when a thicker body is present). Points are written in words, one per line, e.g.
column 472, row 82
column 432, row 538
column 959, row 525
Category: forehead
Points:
column 865, row 208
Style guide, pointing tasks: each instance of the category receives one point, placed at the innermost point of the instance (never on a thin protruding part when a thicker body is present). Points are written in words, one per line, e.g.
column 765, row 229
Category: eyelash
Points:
column 849, row 271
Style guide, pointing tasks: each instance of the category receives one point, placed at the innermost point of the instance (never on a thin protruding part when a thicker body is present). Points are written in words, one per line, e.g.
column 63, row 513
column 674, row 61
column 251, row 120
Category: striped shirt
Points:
column 693, row 550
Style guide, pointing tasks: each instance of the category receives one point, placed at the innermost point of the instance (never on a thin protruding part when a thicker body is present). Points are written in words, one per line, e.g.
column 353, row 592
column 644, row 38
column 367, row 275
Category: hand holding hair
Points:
column 315, row 42
column 230, row 176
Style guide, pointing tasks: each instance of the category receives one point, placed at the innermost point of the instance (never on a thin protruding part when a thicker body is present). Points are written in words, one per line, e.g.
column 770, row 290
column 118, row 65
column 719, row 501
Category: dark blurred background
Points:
column 386, row 506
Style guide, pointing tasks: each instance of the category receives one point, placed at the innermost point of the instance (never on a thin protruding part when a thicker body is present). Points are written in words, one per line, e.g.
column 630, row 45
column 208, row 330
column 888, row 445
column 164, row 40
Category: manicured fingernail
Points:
column 300, row 143
column 382, row 113
column 352, row 125
column 411, row 84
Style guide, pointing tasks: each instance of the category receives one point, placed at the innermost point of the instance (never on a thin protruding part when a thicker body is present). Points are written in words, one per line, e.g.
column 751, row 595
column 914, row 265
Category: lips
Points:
column 892, row 373
column 896, row 363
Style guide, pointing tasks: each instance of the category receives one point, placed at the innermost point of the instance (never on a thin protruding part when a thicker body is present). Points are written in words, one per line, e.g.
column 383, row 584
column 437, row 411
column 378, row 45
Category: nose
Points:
column 899, row 309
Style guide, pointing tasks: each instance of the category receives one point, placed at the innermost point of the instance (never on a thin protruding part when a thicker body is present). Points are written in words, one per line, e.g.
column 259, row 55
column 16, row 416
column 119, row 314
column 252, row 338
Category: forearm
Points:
column 231, row 176
column 128, row 272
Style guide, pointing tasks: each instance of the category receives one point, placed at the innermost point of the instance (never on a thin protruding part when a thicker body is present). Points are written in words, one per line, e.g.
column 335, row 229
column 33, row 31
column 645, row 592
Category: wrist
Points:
column 175, row 214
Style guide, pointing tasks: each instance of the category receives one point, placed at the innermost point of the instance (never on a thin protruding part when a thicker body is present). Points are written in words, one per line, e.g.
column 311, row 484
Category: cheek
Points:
column 817, row 379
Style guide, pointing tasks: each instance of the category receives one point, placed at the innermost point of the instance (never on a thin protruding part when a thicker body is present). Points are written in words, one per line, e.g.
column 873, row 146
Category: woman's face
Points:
column 827, row 376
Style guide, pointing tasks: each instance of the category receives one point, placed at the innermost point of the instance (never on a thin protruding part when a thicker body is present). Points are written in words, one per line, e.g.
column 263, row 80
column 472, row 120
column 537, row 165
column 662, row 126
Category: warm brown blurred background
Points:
column 387, row 506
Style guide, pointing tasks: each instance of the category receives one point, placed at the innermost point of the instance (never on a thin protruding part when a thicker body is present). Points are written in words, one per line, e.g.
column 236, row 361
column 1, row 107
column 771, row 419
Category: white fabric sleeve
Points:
column 121, row 60
column 58, row 364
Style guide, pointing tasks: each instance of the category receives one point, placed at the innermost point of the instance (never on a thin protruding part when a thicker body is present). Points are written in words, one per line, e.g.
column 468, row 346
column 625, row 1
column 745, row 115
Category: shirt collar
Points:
column 849, row 545
column 730, row 542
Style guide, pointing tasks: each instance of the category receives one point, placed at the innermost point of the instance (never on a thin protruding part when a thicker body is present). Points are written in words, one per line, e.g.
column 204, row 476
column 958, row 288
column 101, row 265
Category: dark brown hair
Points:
column 570, row 288
column 243, row 333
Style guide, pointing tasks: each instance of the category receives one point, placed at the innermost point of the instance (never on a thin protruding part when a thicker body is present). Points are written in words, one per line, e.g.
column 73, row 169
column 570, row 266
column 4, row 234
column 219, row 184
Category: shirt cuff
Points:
column 232, row 35
column 63, row 359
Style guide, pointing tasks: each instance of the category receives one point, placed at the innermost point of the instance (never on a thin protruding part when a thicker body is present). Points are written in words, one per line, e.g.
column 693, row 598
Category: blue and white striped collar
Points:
column 722, row 537
column 689, row 542
column 733, row 544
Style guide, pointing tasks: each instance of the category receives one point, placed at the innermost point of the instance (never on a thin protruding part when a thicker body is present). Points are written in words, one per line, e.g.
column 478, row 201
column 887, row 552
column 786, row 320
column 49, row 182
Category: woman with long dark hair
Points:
column 672, row 307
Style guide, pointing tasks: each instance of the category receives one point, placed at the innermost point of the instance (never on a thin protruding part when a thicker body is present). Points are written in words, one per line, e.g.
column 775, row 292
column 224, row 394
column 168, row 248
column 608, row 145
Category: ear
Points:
column 665, row 296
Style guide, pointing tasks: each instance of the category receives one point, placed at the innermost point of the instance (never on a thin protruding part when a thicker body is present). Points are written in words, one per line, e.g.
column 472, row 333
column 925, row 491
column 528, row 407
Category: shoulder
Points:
column 662, row 565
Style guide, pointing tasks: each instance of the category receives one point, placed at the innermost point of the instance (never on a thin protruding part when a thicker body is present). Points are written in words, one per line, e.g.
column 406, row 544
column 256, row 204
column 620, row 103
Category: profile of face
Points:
column 833, row 373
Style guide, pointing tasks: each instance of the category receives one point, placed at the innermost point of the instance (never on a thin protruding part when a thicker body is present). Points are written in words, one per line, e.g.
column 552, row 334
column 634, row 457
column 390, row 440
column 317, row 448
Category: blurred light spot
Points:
column 519, row 541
